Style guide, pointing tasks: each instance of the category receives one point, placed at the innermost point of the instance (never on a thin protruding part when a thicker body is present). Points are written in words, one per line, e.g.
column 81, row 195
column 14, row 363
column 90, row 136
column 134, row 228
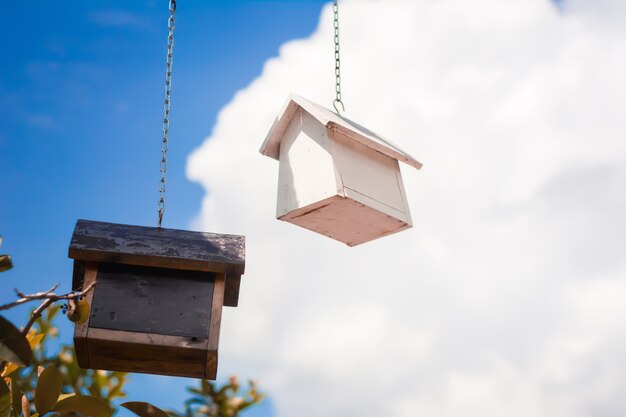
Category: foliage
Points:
column 36, row 380
column 53, row 381
column 225, row 401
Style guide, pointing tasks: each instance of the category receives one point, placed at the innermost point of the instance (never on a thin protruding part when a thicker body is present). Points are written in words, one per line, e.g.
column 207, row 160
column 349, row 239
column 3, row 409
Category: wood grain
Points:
column 123, row 351
column 81, row 330
column 214, row 330
column 78, row 275
column 153, row 300
column 158, row 247
column 231, row 290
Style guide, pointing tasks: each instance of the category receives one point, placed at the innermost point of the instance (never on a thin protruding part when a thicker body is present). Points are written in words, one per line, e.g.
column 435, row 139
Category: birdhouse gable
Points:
column 347, row 128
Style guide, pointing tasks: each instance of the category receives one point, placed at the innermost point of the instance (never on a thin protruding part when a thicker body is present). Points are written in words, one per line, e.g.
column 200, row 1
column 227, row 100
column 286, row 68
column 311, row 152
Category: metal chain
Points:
column 171, row 24
column 337, row 61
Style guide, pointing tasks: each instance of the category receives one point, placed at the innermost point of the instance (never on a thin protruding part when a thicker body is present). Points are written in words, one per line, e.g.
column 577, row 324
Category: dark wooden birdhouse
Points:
column 157, row 302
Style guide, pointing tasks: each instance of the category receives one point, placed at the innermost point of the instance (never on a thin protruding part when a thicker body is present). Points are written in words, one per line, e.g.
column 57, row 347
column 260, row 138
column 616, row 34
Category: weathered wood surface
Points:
column 153, row 300
column 135, row 322
column 90, row 271
column 231, row 290
column 158, row 247
column 117, row 350
column 214, row 331
column 78, row 275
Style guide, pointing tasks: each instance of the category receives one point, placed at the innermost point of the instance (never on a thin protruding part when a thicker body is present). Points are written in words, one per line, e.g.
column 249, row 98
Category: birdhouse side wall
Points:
column 128, row 350
column 307, row 174
column 369, row 177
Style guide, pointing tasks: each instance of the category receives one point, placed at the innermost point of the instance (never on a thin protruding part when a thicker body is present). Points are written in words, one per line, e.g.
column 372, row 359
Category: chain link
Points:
column 171, row 24
column 337, row 60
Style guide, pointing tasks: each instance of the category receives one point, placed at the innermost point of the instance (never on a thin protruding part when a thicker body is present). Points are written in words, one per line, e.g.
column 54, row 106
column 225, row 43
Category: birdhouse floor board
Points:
column 152, row 300
column 147, row 353
column 347, row 221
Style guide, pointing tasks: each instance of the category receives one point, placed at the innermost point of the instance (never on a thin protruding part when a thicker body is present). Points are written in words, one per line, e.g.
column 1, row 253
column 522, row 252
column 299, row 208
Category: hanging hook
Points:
column 160, row 217
column 337, row 101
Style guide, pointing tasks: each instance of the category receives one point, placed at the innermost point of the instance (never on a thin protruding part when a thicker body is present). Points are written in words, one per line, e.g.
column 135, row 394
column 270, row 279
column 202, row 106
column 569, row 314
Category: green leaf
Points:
column 48, row 389
column 5, row 263
column 79, row 311
column 5, row 399
column 14, row 346
column 16, row 398
column 83, row 309
column 84, row 404
column 144, row 409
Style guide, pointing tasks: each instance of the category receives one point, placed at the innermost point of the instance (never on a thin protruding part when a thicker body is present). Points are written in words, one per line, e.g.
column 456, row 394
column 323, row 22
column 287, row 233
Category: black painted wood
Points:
column 78, row 275
column 152, row 300
column 151, row 246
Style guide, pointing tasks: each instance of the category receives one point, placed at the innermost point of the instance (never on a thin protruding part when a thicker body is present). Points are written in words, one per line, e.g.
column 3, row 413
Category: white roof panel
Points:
column 332, row 120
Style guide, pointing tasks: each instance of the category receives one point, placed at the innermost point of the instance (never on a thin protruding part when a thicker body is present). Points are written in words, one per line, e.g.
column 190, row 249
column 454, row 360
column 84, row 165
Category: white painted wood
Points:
column 335, row 177
column 328, row 118
column 368, row 173
column 349, row 221
column 306, row 173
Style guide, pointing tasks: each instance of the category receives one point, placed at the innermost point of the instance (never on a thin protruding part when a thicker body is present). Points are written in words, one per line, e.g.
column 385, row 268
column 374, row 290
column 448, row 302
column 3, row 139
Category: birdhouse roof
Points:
column 332, row 120
column 163, row 248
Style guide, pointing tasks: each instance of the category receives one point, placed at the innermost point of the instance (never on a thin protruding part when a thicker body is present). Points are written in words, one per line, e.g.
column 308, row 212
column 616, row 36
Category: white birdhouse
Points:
column 336, row 177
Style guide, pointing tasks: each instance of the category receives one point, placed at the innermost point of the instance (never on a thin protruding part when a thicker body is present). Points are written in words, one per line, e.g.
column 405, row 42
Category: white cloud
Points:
column 506, row 298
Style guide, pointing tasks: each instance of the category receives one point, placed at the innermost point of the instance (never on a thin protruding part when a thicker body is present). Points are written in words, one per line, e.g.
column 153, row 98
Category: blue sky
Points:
column 81, row 90
column 504, row 299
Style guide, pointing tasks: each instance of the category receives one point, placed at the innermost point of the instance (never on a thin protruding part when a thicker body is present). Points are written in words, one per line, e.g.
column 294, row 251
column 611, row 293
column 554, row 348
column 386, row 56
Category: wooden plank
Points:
column 369, row 173
column 306, row 172
column 81, row 330
column 272, row 144
column 147, row 353
column 211, row 365
column 348, row 221
column 361, row 135
column 78, row 275
column 153, row 300
column 231, row 290
column 164, row 248
column 214, row 331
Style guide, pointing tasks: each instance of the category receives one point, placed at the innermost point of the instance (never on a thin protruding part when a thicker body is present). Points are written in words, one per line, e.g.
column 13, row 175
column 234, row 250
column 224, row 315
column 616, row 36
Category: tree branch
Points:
column 49, row 297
